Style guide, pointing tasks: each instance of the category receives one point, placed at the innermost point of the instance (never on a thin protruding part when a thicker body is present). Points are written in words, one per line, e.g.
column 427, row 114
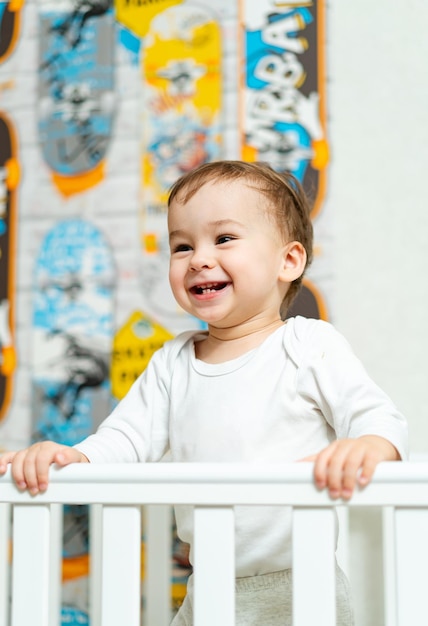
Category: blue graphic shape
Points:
column 70, row 616
column 131, row 42
column 75, row 89
column 3, row 6
column 72, row 254
column 73, row 318
column 256, row 49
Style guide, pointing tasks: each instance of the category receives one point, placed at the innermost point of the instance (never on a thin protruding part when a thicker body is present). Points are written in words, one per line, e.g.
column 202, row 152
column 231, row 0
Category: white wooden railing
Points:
column 117, row 493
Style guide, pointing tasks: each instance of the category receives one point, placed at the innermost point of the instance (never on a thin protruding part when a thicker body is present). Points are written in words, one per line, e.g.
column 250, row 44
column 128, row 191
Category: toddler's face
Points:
column 227, row 255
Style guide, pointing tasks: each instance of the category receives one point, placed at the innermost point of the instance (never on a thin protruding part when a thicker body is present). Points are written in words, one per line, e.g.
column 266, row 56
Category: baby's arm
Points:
column 347, row 462
column 368, row 426
column 30, row 467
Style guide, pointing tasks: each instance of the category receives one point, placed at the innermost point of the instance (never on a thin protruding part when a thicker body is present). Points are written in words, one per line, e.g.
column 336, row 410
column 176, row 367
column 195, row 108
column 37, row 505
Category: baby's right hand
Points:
column 30, row 467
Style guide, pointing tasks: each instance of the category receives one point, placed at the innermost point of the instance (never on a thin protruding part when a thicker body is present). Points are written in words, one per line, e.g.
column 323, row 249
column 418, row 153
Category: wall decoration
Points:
column 9, row 179
column 136, row 15
column 309, row 302
column 72, row 341
column 72, row 332
column 181, row 109
column 282, row 102
column 283, row 116
column 131, row 43
column 10, row 24
column 73, row 616
column 133, row 347
column 76, row 89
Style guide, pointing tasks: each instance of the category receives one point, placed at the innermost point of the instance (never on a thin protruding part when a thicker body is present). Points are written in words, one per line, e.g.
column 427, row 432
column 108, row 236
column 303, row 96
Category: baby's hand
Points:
column 30, row 467
column 347, row 462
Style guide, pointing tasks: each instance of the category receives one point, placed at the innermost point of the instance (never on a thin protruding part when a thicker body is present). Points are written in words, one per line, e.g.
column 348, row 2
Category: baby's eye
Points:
column 181, row 247
column 225, row 239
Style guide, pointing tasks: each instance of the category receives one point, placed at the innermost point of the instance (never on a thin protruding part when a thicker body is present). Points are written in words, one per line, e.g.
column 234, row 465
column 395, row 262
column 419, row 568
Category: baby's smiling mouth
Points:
column 208, row 288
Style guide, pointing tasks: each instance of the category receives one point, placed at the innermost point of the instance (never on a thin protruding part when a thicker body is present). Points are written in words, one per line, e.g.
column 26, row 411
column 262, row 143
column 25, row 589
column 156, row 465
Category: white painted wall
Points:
column 378, row 94
column 378, row 130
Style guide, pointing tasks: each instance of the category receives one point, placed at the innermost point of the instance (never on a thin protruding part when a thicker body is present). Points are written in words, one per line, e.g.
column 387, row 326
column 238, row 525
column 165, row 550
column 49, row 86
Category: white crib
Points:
column 117, row 493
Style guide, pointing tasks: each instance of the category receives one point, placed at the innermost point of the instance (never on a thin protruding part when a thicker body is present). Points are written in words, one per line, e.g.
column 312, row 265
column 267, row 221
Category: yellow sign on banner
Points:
column 181, row 70
column 133, row 348
column 137, row 14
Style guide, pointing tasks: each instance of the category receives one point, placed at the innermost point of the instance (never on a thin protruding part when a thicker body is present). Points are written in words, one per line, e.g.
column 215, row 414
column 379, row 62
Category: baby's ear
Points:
column 293, row 262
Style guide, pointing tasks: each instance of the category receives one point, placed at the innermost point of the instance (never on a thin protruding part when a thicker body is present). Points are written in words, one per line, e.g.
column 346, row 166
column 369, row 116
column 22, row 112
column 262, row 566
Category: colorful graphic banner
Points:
column 10, row 25
column 133, row 347
column 181, row 111
column 283, row 111
column 72, row 332
column 137, row 16
column 9, row 179
column 76, row 90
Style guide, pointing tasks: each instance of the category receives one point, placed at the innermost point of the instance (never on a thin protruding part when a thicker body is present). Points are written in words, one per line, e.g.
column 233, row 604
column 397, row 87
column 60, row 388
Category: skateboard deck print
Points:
column 72, row 332
column 309, row 302
column 133, row 347
column 72, row 339
column 10, row 24
column 181, row 109
column 9, row 179
column 136, row 16
column 76, row 100
column 282, row 90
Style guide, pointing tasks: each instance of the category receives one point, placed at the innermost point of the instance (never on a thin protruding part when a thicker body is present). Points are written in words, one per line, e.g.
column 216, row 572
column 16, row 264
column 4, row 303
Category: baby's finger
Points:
column 5, row 459
column 66, row 455
column 336, row 473
column 368, row 468
column 321, row 466
column 30, row 469
column 351, row 470
column 45, row 455
column 18, row 469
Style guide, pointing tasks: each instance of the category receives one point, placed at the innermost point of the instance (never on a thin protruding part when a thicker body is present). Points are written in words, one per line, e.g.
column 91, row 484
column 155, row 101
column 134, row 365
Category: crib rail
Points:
column 120, row 490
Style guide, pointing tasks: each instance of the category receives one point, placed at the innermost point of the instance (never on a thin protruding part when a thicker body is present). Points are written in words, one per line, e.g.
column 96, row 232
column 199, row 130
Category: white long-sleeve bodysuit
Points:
column 286, row 399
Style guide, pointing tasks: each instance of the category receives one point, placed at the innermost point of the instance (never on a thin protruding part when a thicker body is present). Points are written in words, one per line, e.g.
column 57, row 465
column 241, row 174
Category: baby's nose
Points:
column 201, row 259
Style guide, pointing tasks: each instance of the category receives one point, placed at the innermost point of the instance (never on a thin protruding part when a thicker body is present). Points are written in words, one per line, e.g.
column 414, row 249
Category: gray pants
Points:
column 266, row 601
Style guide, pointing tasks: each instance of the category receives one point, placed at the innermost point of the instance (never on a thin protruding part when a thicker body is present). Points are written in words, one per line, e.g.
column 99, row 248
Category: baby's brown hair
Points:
column 287, row 202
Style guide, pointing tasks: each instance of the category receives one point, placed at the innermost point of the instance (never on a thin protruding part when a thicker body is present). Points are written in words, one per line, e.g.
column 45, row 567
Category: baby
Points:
column 251, row 388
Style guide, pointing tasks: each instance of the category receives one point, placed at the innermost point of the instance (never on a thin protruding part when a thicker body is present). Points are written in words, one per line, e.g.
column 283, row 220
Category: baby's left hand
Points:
column 347, row 462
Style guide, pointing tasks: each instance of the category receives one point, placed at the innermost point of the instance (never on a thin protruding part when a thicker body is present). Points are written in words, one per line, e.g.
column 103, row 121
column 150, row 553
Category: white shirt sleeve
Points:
column 333, row 378
column 137, row 430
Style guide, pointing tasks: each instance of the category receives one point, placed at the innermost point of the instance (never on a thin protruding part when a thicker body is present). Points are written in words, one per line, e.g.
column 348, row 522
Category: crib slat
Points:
column 214, row 545
column 96, row 562
column 55, row 558
column 314, row 570
column 157, row 585
column 5, row 528
column 342, row 550
column 121, row 588
column 389, row 565
column 411, row 565
column 31, row 564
